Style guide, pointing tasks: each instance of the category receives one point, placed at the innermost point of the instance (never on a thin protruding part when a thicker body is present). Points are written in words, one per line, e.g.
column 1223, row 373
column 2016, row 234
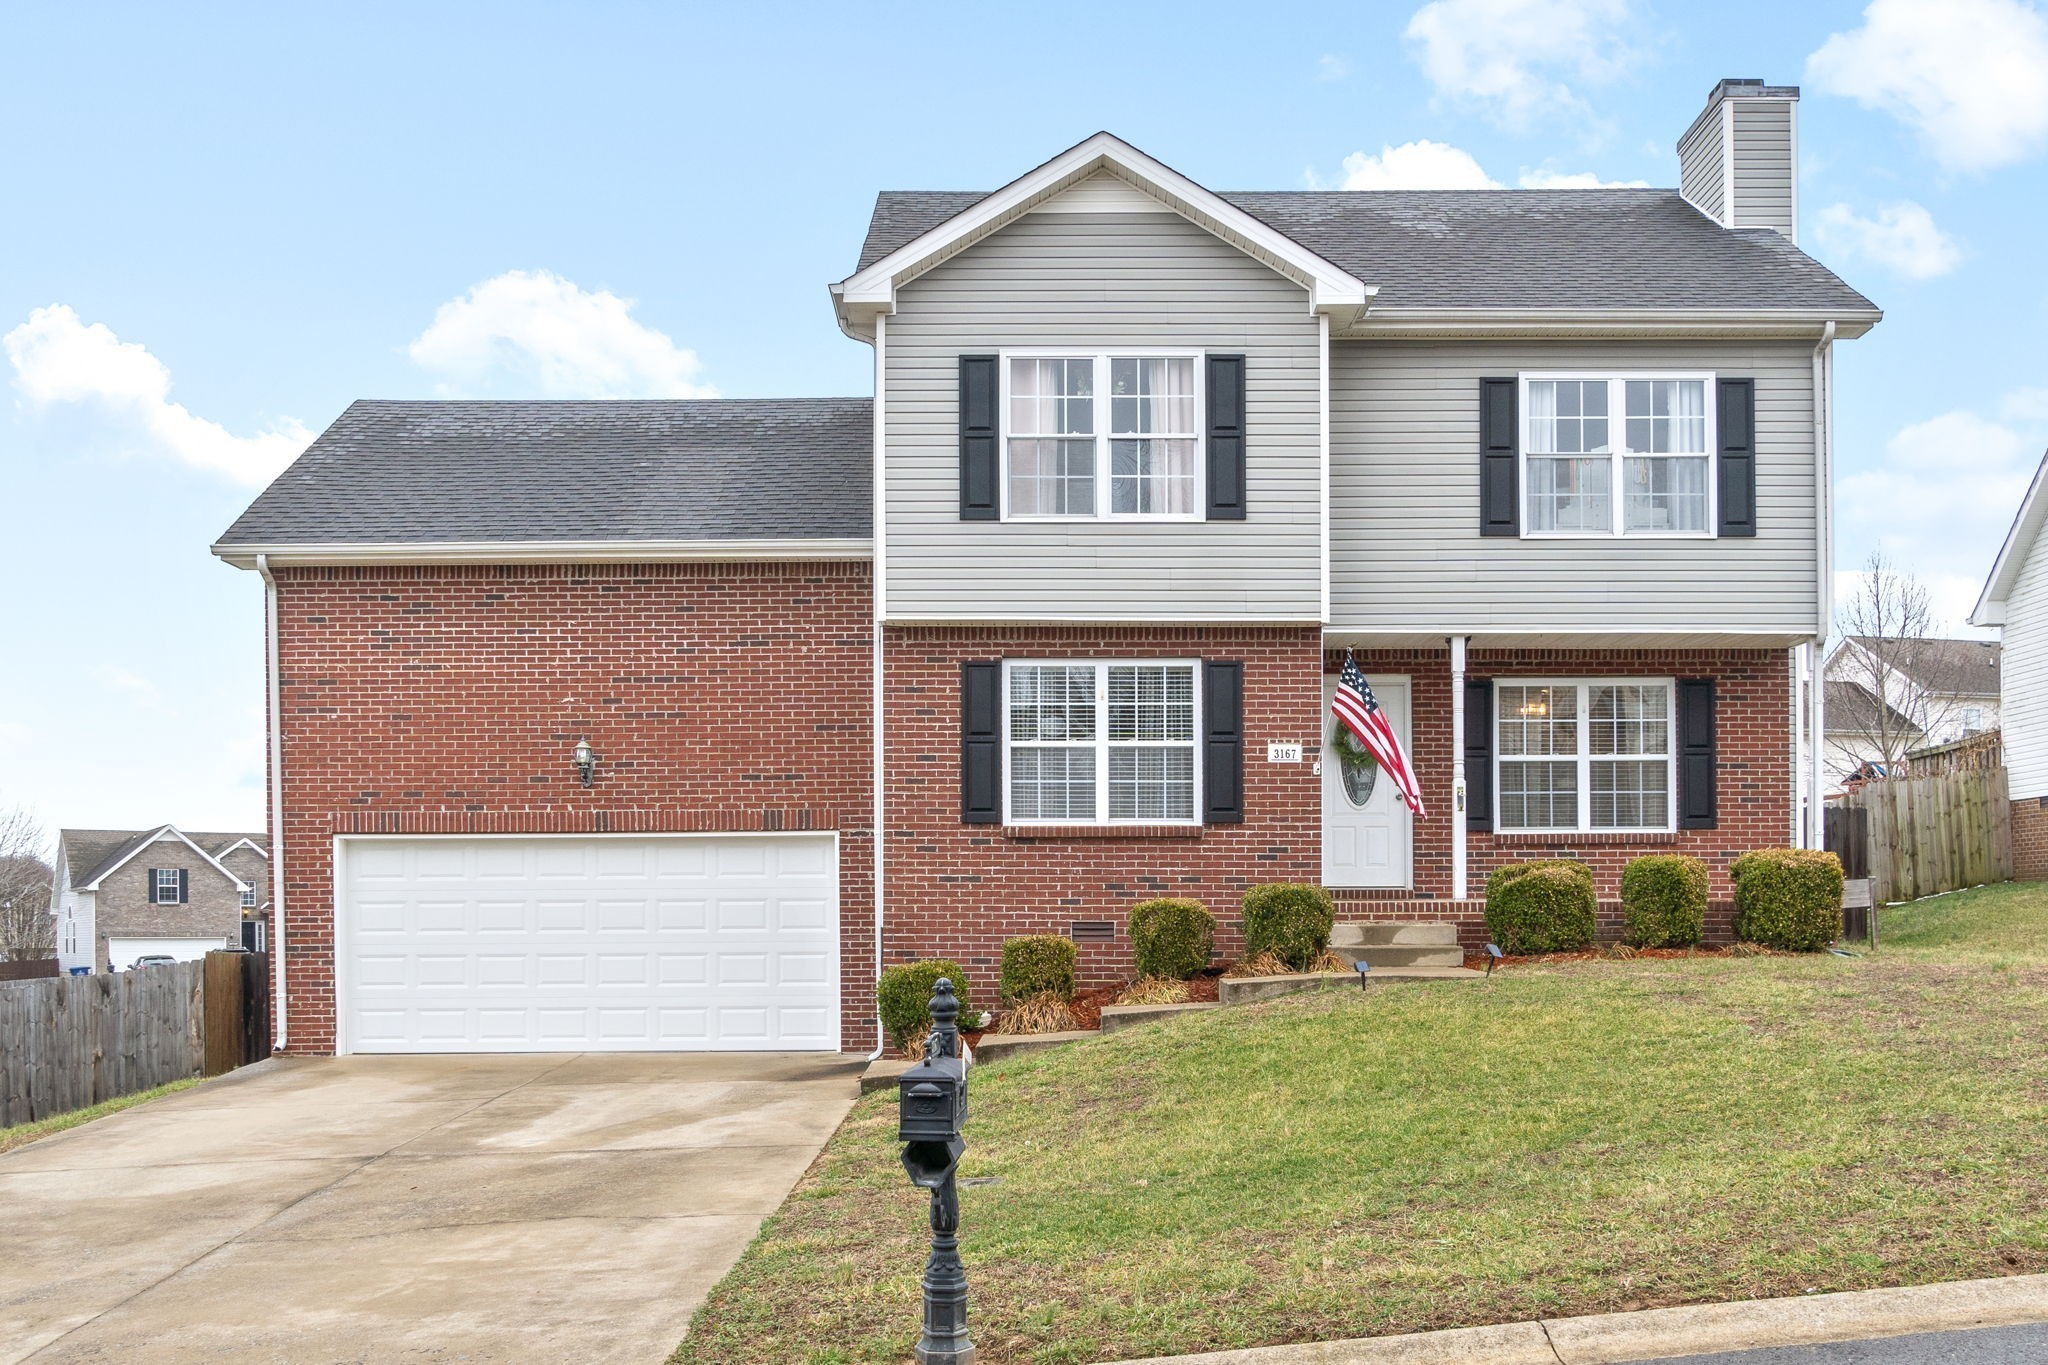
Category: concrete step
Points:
column 1403, row 955
column 1405, row 934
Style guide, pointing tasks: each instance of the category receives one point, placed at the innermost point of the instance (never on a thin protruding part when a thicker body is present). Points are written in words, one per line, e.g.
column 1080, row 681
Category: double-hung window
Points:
column 1617, row 455
column 1113, row 436
column 248, row 898
column 1584, row 756
column 163, row 888
column 1100, row 742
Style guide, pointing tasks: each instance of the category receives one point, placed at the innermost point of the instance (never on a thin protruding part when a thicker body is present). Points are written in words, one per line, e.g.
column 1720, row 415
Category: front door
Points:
column 1367, row 831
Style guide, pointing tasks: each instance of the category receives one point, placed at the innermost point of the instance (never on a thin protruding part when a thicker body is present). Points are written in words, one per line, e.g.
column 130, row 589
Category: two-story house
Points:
column 123, row 894
column 585, row 716
column 1934, row 692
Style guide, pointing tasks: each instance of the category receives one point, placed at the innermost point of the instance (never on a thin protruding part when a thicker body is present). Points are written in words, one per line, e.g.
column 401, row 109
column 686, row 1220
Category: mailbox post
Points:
column 932, row 1109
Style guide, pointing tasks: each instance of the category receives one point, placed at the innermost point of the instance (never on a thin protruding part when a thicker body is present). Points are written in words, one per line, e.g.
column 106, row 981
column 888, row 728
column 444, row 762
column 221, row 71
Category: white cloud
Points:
column 2025, row 405
column 1901, row 237
column 130, row 687
column 1575, row 180
column 532, row 333
column 1970, row 76
column 1421, row 165
column 1331, row 67
column 1511, row 57
column 59, row 359
column 1938, row 503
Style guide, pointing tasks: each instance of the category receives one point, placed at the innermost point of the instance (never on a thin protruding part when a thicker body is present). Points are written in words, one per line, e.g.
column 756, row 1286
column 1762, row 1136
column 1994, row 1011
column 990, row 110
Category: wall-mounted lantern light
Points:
column 586, row 761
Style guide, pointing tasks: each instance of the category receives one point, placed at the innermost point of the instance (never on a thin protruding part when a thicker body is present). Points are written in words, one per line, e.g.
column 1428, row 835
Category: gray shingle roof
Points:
column 683, row 469
column 1507, row 249
column 1945, row 667
column 88, row 852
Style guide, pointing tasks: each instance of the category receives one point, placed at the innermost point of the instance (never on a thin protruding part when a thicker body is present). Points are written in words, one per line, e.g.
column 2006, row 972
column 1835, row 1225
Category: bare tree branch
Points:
column 1912, row 679
column 27, row 932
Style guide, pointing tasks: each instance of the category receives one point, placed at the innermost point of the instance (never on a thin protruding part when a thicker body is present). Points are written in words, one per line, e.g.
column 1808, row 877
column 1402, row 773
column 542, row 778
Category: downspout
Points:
column 877, row 818
column 1459, row 885
column 275, row 707
column 1824, row 559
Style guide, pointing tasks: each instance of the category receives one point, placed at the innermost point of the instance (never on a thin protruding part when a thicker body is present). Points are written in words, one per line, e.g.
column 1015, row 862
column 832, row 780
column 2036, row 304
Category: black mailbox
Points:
column 932, row 1100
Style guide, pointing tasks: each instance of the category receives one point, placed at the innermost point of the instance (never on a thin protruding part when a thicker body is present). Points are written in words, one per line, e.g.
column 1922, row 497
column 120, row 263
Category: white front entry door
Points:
column 579, row 944
column 1368, row 834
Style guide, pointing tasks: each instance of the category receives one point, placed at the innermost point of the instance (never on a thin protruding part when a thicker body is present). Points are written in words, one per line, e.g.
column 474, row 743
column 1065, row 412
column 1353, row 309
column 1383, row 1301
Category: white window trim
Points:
column 1101, row 361
column 1618, row 452
column 157, row 888
column 1585, row 757
column 1101, row 742
column 248, row 898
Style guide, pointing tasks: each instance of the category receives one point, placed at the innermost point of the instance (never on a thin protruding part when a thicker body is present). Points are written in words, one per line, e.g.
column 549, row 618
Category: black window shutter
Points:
column 981, row 743
column 1222, row 742
column 150, row 873
column 1697, row 775
column 1479, row 753
column 1224, row 386
column 183, row 887
column 1735, row 414
column 1499, row 503
column 979, row 396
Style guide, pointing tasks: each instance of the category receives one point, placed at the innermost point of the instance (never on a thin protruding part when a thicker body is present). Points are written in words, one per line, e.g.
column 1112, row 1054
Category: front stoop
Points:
column 1395, row 944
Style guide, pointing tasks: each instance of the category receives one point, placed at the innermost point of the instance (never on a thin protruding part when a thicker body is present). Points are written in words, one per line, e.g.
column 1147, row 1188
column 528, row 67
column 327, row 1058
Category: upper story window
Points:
column 1584, row 756
column 1618, row 455
column 1106, row 435
column 1100, row 743
column 163, row 885
column 248, row 898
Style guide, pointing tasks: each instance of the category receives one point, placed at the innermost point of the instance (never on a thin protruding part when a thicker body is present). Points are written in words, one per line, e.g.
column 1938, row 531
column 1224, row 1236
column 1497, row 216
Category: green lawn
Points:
column 21, row 1134
column 1569, row 1139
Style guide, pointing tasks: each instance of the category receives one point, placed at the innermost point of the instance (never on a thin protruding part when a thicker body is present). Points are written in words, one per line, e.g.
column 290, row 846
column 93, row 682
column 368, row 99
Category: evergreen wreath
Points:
column 1351, row 750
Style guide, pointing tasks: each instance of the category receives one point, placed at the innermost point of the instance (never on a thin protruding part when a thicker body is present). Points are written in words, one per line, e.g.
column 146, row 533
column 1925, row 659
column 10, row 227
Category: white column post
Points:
column 1458, row 881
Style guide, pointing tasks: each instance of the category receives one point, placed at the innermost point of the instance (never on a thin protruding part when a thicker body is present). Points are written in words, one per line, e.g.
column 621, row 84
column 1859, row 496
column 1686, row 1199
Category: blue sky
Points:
column 222, row 223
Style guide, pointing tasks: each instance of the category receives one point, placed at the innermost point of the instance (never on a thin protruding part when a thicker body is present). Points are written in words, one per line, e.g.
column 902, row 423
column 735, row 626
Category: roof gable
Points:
column 2012, row 556
column 90, row 856
column 871, row 290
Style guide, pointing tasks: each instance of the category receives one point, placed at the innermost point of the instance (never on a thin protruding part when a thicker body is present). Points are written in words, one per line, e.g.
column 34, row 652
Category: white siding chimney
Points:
column 1738, row 163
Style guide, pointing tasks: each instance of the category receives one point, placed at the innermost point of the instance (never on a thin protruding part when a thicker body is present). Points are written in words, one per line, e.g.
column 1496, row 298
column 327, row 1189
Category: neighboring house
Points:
column 586, row 713
column 1936, row 692
column 2015, row 599
column 121, row 894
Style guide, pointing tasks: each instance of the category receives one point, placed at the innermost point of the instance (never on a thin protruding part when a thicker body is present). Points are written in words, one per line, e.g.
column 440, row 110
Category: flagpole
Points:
column 1459, row 883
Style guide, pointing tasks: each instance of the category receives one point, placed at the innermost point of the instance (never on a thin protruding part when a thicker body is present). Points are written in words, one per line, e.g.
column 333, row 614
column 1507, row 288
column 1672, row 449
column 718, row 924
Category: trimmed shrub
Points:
column 904, row 997
column 1789, row 898
column 1037, row 964
column 1171, row 937
column 1290, row 920
column 1545, row 906
column 1664, row 900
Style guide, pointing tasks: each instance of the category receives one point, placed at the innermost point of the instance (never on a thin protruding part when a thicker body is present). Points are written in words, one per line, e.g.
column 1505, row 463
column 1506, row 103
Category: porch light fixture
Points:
column 586, row 761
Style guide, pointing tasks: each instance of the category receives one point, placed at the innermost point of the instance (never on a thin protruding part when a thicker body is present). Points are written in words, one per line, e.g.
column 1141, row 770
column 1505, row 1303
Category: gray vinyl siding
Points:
column 1763, row 165
column 1406, row 553
column 1699, row 165
column 2023, row 710
column 1102, row 282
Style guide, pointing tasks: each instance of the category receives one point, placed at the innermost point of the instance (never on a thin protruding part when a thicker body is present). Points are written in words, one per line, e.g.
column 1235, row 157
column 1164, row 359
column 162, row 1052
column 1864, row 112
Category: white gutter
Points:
column 1824, row 560
column 1459, row 884
column 877, row 768
column 275, row 708
column 317, row 554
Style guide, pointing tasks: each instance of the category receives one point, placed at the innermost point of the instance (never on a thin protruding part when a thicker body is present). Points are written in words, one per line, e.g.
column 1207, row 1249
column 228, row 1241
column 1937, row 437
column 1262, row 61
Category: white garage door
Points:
column 630, row 943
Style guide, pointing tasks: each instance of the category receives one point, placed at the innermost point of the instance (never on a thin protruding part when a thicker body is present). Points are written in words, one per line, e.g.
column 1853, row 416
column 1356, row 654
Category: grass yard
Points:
column 1569, row 1139
column 21, row 1134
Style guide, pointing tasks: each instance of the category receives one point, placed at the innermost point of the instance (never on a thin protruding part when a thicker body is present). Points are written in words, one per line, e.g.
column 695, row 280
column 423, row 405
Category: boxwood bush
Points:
column 1664, row 900
column 1545, row 905
column 1290, row 920
column 904, row 997
column 1037, row 964
column 1788, row 898
column 1171, row 937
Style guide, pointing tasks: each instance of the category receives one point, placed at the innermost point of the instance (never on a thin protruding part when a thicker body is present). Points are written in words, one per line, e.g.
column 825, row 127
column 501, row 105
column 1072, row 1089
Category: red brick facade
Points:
column 2030, row 839
column 448, row 700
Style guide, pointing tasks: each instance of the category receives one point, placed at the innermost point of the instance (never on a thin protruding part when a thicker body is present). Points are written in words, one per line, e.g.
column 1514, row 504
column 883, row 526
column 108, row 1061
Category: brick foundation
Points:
column 448, row 699
column 2030, row 838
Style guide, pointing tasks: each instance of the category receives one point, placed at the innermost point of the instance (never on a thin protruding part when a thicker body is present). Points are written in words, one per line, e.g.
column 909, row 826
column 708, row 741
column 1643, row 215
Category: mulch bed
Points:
column 1606, row 953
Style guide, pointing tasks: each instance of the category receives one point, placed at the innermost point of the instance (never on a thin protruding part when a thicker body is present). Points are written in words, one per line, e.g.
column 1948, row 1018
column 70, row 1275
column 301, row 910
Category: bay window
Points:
column 1100, row 742
column 1584, row 756
column 1101, row 436
column 1617, row 455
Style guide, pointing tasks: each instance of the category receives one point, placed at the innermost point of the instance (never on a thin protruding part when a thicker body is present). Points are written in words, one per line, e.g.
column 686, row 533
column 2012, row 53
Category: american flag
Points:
column 1360, row 711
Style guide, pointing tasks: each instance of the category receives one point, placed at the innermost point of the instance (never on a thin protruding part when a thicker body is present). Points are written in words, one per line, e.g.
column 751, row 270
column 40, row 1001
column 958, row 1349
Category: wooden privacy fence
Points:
column 1917, row 836
column 71, row 1041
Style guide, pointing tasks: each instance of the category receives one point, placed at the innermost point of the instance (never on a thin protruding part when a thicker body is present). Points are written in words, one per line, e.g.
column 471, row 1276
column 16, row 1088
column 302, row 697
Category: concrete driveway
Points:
column 369, row 1209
